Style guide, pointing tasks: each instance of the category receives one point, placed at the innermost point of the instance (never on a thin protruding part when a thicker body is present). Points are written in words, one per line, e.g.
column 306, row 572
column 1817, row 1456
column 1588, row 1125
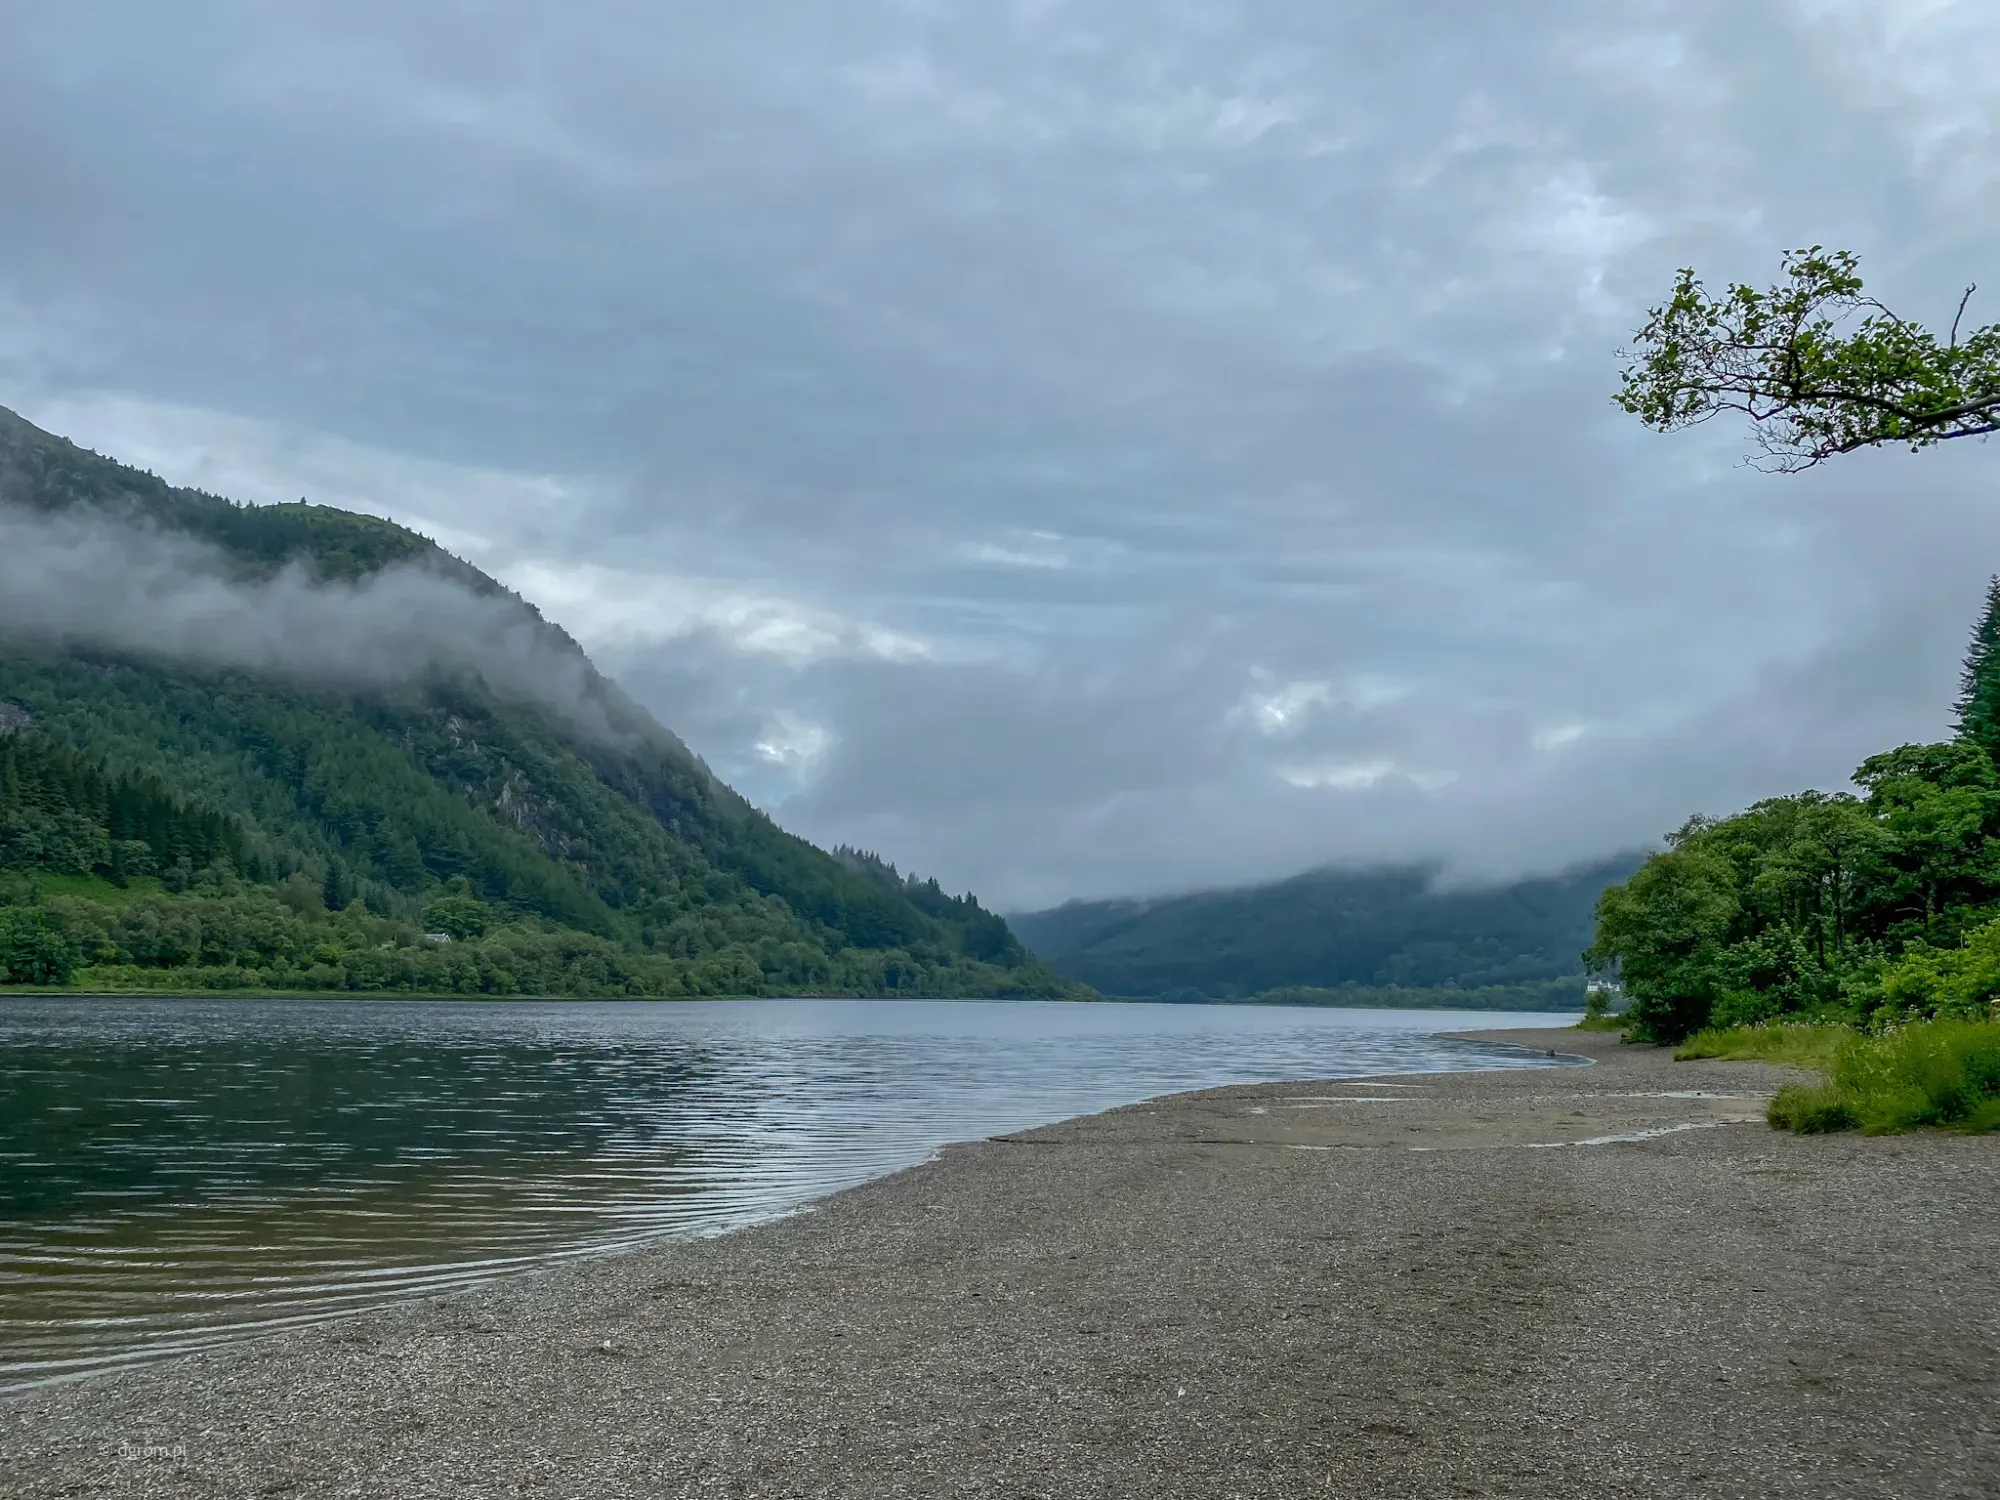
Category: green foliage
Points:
column 1879, row 909
column 457, row 914
column 15, row 891
column 1598, row 1014
column 1794, row 1046
column 1937, row 1074
column 1961, row 983
column 337, row 890
column 287, row 834
column 1816, row 905
column 1904, row 1077
column 62, row 812
column 1780, row 356
column 1813, row 1109
column 1666, row 928
column 1394, row 932
column 1979, row 684
column 34, row 949
column 226, row 933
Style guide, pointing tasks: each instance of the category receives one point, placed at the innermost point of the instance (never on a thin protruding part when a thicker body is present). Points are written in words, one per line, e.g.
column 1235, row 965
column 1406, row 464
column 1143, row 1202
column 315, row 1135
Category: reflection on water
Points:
column 176, row 1172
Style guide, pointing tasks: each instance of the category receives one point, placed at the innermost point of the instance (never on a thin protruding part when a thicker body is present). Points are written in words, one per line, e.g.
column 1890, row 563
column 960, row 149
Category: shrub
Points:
column 33, row 948
column 1937, row 1074
column 1928, row 1073
column 1960, row 982
column 1743, row 1008
column 1812, row 1109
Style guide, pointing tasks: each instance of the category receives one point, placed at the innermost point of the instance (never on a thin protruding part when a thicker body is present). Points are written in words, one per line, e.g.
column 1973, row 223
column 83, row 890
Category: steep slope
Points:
column 387, row 730
column 1391, row 934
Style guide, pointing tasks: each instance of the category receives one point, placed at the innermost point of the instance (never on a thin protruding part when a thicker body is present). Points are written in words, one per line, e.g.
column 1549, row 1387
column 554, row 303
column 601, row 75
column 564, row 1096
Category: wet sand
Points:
column 1604, row 1281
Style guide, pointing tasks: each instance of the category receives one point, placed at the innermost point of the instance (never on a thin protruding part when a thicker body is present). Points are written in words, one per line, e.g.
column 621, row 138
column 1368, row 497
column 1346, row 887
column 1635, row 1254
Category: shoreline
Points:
column 1560, row 1281
column 49, row 992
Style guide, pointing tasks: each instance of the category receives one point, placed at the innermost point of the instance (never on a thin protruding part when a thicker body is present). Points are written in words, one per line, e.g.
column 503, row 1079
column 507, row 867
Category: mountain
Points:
column 1387, row 936
column 290, row 746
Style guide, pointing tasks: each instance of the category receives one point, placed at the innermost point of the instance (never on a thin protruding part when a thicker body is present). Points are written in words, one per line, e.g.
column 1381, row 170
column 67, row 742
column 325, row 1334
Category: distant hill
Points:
column 293, row 747
column 1387, row 936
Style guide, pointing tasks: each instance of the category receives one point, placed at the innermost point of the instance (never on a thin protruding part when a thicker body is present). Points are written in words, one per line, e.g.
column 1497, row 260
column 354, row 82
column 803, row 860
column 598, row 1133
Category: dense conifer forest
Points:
column 171, row 822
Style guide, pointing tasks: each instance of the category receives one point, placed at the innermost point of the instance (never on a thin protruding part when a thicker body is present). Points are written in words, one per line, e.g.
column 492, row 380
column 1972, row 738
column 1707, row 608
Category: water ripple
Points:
column 177, row 1173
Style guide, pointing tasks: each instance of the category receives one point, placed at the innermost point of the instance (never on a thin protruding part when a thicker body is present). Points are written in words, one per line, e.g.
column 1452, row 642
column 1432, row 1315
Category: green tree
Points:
column 1818, row 366
column 337, row 889
column 1935, row 805
column 1961, row 982
column 1818, row 855
column 1979, row 684
column 1665, row 930
column 33, row 948
column 458, row 914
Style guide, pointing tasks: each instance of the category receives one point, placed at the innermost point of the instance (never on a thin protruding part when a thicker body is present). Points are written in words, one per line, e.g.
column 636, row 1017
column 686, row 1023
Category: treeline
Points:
column 63, row 812
column 1873, row 908
column 1386, row 931
column 45, row 473
column 224, row 933
column 387, row 882
column 1547, row 994
column 983, row 935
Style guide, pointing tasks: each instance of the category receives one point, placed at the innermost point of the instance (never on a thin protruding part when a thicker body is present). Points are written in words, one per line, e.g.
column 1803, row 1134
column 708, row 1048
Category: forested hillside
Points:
column 1350, row 936
column 221, row 810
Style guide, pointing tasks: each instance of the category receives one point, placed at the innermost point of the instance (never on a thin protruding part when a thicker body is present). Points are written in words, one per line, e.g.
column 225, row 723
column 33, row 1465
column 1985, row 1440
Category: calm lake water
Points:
column 177, row 1172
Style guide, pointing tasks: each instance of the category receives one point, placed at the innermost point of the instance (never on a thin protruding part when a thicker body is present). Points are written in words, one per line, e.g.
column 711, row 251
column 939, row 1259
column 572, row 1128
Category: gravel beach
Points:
column 1603, row 1281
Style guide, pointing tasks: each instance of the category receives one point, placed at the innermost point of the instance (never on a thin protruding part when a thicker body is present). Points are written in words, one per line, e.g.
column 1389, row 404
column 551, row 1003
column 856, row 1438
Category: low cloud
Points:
column 80, row 578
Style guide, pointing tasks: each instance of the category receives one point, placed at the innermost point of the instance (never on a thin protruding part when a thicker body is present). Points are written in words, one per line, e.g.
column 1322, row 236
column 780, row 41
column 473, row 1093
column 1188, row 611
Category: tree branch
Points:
column 1985, row 429
column 1810, row 388
column 1961, row 312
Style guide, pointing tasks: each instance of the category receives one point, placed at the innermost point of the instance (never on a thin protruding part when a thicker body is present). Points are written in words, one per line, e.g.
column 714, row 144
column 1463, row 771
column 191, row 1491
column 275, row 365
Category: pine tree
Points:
column 337, row 887
column 1979, row 685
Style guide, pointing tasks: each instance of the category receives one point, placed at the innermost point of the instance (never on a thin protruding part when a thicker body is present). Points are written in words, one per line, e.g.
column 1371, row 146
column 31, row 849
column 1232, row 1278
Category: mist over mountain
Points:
column 90, row 559
column 290, row 746
column 1384, row 935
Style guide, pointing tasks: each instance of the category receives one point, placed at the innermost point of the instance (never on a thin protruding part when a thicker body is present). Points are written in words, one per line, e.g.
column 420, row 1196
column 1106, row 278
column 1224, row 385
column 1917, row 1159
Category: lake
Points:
column 178, row 1172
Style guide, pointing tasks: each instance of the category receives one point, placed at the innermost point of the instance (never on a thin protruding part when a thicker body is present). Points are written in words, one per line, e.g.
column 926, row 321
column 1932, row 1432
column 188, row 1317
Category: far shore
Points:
column 1604, row 1281
column 57, row 992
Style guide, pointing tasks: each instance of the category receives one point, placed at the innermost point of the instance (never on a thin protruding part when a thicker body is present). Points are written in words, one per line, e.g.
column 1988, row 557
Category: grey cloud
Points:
column 1294, row 322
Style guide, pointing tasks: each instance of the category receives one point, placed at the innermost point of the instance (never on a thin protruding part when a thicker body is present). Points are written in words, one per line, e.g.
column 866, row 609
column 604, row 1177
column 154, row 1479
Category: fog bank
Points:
column 79, row 578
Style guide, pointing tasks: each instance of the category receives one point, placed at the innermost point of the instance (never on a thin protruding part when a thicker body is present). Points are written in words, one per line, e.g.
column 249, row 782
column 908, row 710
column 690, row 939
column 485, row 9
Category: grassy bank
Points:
column 1925, row 1075
column 1794, row 1046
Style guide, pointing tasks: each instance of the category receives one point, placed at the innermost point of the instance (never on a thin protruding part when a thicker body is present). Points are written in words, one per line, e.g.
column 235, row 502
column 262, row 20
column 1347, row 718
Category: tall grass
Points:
column 1928, row 1074
column 1942, row 1074
column 1797, row 1046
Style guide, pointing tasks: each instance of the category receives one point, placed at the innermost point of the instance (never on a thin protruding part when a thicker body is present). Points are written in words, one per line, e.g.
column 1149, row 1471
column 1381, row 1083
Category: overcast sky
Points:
column 1073, row 448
